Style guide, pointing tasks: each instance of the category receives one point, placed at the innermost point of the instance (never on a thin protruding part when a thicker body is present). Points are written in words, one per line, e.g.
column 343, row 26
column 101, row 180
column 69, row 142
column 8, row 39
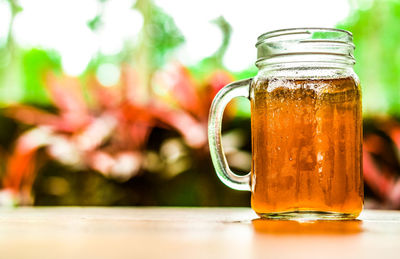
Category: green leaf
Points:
column 36, row 63
column 376, row 35
column 95, row 23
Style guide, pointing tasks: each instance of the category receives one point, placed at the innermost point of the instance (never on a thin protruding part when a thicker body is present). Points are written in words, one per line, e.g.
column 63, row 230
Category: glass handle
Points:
column 223, row 97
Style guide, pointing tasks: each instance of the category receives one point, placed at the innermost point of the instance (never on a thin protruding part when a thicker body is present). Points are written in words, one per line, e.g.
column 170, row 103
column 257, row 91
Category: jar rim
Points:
column 312, row 45
column 301, row 30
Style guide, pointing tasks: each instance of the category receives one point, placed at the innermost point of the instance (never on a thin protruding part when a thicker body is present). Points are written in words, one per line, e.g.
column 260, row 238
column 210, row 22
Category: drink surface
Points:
column 307, row 146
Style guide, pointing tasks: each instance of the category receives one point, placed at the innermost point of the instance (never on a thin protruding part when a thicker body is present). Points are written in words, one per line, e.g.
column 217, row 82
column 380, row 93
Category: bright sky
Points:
column 62, row 25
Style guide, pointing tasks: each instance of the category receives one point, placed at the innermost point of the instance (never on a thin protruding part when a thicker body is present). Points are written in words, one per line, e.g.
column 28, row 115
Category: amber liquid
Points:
column 307, row 144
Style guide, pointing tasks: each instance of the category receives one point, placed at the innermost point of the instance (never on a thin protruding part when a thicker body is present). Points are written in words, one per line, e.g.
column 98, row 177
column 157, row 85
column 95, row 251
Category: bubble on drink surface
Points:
column 320, row 156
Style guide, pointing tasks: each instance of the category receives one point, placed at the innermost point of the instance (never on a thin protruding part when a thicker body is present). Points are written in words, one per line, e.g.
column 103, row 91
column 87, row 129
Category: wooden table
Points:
column 190, row 233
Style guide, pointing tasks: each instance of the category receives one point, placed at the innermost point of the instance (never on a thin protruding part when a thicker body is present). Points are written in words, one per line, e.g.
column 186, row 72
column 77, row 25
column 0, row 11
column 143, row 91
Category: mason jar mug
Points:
column 306, row 127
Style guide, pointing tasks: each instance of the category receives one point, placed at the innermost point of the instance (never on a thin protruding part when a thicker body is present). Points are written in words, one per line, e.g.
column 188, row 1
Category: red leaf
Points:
column 67, row 95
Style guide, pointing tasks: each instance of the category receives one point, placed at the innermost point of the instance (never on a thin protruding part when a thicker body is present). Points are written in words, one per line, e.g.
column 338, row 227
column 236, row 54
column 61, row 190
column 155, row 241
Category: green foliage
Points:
column 215, row 61
column 15, row 7
column 160, row 33
column 22, row 80
column 243, row 105
column 376, row 34
column 11, row 89
column 324, row 35
column 35, row 64
column 165, row 36
column 247, row 73
column 95, row 23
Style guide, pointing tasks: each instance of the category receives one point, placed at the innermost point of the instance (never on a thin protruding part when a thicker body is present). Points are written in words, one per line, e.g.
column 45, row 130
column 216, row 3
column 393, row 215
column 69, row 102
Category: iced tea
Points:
column 307, row 144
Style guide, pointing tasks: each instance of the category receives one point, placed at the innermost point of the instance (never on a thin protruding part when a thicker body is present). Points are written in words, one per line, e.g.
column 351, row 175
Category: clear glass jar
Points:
column 306, row 126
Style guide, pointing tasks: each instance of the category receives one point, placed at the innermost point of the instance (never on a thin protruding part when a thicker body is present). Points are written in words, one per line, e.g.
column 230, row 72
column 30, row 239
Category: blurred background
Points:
column 105, row 102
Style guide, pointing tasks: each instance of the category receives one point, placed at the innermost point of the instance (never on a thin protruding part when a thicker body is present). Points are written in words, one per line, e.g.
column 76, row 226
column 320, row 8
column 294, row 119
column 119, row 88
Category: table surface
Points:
column 89, row 232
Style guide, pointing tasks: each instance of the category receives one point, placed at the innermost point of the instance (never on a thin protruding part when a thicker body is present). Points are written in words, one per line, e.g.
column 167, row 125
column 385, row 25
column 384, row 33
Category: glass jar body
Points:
column 306, row 142
column 306, row 124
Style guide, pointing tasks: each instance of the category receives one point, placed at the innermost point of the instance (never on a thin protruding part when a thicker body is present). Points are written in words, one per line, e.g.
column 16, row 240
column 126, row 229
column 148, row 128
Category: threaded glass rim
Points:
column 306, row 45
column 303, row 30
